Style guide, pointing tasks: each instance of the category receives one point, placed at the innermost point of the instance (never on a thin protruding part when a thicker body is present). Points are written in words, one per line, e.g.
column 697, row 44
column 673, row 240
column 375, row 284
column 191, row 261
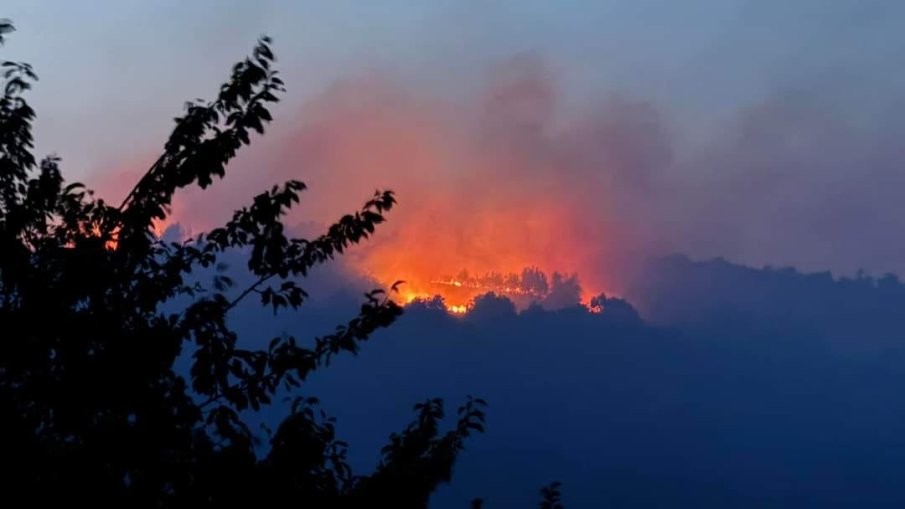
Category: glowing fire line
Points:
column 458, row 294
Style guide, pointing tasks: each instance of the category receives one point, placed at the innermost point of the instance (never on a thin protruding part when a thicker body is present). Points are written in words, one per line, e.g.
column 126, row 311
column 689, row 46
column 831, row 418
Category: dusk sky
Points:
column 663, row 239
column 779, row 121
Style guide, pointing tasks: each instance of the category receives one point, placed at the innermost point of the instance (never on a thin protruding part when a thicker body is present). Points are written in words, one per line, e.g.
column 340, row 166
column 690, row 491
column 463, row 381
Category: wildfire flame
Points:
column 459, row 310
column 491, row 185
column 529, row 286
column 495, row 182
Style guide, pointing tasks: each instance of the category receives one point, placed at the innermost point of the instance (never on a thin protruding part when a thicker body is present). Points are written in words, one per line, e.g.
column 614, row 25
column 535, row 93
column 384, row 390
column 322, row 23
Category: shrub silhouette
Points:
column 92, row 407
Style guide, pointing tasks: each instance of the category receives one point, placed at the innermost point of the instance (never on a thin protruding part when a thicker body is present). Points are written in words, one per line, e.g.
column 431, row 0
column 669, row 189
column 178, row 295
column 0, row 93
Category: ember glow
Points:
column 498, row 191
column 492, row 187
column 530, row 286
column 461, row 260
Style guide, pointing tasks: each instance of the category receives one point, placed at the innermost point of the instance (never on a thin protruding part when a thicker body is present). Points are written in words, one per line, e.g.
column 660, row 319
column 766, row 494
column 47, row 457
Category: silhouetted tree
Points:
column 551, row 496
column 92, row 408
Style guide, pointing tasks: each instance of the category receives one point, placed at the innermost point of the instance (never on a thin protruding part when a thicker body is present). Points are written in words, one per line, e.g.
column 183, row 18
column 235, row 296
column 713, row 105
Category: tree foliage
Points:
column 94, row 410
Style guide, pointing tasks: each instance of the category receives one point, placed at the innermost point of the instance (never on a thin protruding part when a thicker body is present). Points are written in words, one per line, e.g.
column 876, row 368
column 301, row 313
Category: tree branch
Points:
column 261, row 280
column 138, row 184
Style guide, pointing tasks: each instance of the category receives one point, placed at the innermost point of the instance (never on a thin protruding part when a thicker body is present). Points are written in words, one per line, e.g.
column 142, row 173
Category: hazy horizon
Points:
column 549, row 160
column 776, row 123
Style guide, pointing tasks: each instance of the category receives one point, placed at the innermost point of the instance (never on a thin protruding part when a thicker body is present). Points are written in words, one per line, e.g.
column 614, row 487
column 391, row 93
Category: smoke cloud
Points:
column 501, row 176
column 493, row 183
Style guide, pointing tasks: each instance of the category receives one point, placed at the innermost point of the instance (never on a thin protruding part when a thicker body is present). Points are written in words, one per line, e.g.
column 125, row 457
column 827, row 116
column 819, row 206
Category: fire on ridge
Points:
column 524, row 288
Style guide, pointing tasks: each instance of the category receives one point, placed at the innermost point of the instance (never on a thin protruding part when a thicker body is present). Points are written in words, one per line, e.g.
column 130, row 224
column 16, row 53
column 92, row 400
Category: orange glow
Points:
column 160, row 226
column 486, row 189
column 489, row 184
column 459, row 310
column 462, row 255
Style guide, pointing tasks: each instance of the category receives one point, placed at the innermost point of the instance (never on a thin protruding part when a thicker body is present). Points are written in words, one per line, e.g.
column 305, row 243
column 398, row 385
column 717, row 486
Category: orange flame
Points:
column 488, row 185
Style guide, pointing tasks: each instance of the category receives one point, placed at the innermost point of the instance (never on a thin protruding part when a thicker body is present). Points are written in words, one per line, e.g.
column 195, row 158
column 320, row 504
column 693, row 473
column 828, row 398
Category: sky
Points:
column 581, row 137
column 778, row 122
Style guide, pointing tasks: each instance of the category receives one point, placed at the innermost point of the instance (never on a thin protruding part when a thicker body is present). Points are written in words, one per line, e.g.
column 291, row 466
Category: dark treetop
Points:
column 92, row 408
